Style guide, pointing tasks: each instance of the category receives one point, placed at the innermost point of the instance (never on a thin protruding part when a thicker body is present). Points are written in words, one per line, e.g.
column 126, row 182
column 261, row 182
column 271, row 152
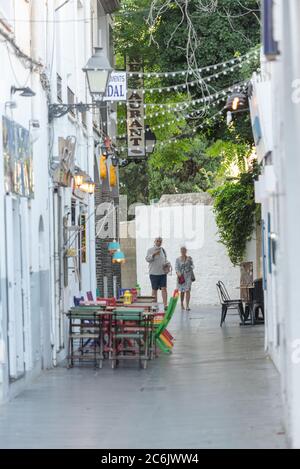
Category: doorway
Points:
column 15, row 291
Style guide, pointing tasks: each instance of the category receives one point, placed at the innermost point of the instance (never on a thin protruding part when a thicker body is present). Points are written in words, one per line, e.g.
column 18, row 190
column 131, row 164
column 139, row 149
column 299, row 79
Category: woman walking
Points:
column 185, row 277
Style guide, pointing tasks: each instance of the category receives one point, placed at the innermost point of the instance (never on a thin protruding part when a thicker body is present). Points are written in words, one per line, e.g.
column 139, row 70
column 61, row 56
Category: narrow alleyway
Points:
column 218, row 390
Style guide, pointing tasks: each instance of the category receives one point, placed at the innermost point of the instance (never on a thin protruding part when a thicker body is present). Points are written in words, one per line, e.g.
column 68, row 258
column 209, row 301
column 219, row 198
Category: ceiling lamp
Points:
column 113, row 247
column 119, row 257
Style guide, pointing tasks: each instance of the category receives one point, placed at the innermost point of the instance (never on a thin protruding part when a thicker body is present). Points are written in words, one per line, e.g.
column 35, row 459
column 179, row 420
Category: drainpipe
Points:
column 35, row 33
column 52, row 197
column 90, row 157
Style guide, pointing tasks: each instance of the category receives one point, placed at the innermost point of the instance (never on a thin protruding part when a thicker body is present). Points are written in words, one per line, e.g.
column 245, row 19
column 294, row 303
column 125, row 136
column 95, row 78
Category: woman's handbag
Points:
column 181, row 280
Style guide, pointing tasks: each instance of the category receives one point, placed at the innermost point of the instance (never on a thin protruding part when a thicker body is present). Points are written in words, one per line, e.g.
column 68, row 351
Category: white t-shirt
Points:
column 156, row 263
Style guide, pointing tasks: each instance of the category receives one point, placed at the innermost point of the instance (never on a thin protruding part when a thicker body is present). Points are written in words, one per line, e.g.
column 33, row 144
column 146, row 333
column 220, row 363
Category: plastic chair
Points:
column 163, row 337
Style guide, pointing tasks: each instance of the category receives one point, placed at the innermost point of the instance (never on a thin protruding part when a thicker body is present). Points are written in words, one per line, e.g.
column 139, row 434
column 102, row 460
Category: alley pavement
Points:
column 217, row 390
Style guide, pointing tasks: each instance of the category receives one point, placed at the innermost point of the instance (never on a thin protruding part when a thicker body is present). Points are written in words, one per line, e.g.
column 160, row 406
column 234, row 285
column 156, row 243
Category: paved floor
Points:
column 218, row 390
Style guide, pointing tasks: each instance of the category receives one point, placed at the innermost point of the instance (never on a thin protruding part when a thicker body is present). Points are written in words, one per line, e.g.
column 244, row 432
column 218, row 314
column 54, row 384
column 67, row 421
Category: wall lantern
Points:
column 98, row 70
column 237, row 102
column 78, row 178
column 150, row 140
column 88, row 186
column 91, row 187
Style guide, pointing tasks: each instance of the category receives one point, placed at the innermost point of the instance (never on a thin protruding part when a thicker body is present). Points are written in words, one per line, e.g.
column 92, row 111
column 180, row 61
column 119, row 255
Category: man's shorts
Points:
column 158, row 282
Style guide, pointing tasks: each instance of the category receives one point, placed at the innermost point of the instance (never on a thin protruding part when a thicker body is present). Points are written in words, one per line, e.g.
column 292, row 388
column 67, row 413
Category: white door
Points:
column 15, row 289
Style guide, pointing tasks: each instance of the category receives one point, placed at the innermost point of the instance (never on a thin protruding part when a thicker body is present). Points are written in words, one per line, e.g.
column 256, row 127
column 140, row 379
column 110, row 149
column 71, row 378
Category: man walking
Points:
column 158, row 263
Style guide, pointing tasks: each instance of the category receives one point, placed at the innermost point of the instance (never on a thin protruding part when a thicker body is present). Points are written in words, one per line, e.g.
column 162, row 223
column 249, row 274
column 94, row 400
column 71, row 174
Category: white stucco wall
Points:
column 63, row 50
column 195, row 227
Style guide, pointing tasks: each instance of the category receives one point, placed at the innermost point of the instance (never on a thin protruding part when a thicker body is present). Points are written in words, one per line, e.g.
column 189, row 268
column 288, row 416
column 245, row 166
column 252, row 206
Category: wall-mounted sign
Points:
column 117, row 87
column 135, row 123
column 64, row 172
column 18, row 161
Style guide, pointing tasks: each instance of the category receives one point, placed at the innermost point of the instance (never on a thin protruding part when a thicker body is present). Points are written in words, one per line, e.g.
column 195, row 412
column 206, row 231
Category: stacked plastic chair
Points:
column 164, row 340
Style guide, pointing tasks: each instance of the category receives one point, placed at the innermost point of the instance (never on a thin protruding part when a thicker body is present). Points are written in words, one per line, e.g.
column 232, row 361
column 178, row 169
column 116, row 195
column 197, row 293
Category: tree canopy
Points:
column 177, row 35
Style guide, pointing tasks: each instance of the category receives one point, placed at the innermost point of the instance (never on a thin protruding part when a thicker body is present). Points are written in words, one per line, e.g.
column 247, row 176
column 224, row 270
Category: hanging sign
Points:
column 135, row 123
column 63, row 174
column 117, row 87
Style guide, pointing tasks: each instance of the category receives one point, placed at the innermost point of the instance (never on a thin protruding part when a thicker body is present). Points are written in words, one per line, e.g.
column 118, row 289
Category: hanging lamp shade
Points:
column 103, row 169
column 113, row 247
column 119, row 257
column 112, row 176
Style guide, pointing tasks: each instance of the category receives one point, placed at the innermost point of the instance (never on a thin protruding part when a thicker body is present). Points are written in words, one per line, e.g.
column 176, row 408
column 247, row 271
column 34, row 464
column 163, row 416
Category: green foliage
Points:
column 235, row 209
column 235, row 156
column 134, row 182
column 183, row 169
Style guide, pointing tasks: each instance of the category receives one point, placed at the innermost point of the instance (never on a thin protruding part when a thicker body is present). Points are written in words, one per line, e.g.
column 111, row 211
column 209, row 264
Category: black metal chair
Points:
column 227, row 303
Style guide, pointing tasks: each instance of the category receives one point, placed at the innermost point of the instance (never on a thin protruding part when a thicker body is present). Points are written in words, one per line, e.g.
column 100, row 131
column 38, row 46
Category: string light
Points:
column 177, row 138
column 183, row 105
column 192, row 114
column 232, row 61
column 196, row 101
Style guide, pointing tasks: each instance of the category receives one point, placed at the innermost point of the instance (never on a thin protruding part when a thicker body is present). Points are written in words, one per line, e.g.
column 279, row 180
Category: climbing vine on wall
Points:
column 237, row 213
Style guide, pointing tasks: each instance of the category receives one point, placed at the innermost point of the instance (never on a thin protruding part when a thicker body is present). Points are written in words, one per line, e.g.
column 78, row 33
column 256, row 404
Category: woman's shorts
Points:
column 158, row 282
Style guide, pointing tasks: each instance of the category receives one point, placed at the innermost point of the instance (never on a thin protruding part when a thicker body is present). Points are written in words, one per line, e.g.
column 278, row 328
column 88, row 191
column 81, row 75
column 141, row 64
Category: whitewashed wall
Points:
column 62, row 48
column 195, row 227
column 23, row 242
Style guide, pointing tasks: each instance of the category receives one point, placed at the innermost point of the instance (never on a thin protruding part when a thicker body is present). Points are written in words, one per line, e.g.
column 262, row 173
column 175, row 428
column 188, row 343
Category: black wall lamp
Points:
column 98, row 71
column 26, row 92
column 237, row 102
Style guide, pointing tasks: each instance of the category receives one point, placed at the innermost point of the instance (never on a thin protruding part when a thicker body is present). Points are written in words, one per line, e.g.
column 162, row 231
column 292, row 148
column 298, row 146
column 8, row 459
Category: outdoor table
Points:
column 146, row 306
column 132, row 335
column 142, row 299
column 86, row 325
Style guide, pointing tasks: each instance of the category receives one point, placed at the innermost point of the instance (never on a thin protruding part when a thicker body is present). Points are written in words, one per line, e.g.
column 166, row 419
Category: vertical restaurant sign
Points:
column 135, row 123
